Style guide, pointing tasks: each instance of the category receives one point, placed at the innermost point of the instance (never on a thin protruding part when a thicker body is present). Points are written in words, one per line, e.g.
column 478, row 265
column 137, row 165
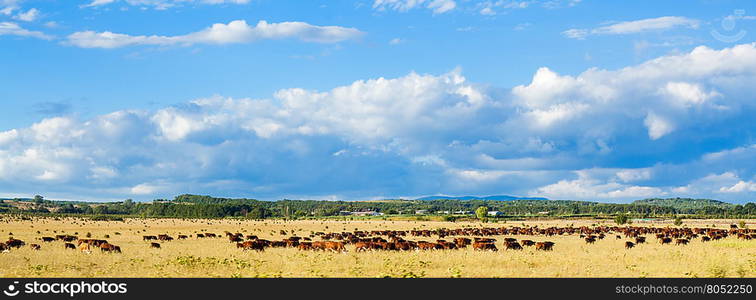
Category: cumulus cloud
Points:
column 232, row 33
column 10, row 28
column 652, row 129
column 637, row 26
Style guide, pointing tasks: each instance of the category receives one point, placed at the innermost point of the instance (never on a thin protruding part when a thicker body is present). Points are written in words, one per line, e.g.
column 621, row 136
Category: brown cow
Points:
column 512, row 246
column 84, row 247
column 35, row 246
column 155, row 245
column 545, row 246
column 305, row 246
column 253, row 245
column 640, row 240
column 149, row 238
column 4, row 247
column 528, row 243
column 47, row 239
column 681, row 242
column 335, row 246
column 484, row 246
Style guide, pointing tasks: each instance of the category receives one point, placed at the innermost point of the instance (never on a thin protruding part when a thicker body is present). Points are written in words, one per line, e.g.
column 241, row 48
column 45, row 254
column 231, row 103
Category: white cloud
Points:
column 488, row 8
column 437, row 6
column 9, row 28
column 588, row 188
column 688, row 94
column 575, row 33
column 657, row 126
column 630, row 175
column 164, row 4
column 559, row 136
column 28, row 16
column 145, row 189
column 741, row 186
column 638, row 26
column 234, row 32
column 396, row 41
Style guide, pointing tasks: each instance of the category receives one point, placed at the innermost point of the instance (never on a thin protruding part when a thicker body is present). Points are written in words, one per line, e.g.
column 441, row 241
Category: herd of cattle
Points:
column 399, row 240
column 481, row 240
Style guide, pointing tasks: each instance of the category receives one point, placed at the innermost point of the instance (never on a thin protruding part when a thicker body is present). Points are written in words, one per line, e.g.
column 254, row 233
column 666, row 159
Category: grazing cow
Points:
column 35, row 246
column 253, row 245
column 462, row 242
column 164, row 237
column 252, row 237
column 681, row 242
column 47, row 239
column 84, row 247
column 629, row 245
column 512, row 246
column 149, row 238
column 4, row 247
column 69, row 246
column 182, row 237
column 234, row 239
column 590, row 240
column 200, row 235
column 358, row 246
column 665, row 240
column 484, row 246
column 106, row 247
column 155, row 245
column 705, row 239
column 528, row 243
column 640, row 240
column 545, row 246
column 307, row 246
column 335, row 246
column 14, row 243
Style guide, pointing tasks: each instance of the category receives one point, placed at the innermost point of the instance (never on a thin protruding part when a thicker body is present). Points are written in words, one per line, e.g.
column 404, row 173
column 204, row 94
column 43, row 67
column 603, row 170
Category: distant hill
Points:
column 493, row 198
column 684, row 203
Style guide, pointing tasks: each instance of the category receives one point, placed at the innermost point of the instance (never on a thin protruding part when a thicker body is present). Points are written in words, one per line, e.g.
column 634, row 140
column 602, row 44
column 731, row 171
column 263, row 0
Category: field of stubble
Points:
column 193, row 257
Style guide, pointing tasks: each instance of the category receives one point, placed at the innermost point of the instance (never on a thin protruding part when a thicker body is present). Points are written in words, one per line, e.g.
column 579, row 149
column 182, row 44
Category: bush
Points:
column 678, row 221
column 742, row 224
column 621, row 219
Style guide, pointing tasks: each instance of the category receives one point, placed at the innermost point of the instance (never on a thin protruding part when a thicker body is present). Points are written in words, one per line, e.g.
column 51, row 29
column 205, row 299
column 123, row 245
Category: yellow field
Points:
column 571, row 257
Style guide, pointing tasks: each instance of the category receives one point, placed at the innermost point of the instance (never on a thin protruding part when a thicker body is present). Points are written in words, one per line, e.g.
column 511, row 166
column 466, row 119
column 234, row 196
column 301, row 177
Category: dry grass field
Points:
column 571, row 257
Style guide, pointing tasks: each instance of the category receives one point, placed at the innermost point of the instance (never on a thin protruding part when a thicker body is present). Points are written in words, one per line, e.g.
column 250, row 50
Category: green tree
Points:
column 621, row 219
column 678, row 221
column 39, row 199
column 742, row 224
column 481, row 212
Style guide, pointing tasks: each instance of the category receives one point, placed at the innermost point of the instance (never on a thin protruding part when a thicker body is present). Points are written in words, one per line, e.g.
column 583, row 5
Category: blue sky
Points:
column 592, row 100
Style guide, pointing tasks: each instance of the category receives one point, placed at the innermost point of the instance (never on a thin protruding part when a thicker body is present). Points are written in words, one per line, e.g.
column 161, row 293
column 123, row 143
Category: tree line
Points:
column 196, row 206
